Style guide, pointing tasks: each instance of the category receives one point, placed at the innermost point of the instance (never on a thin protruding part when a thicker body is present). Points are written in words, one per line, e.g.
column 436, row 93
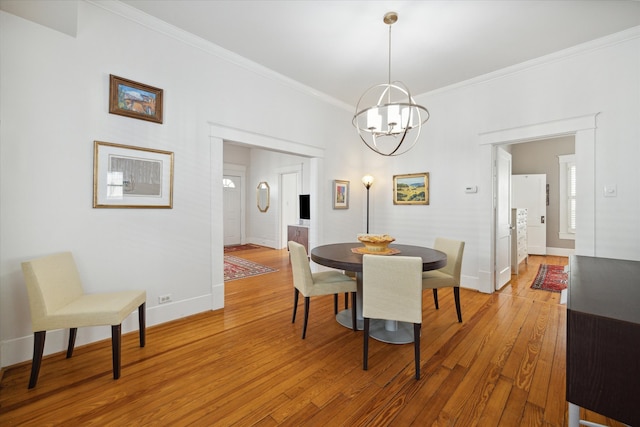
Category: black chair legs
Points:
column 456, row 296
column 116, row 344
column 365, row 347
column 72, row 341
column 38, row 349
column 142, row 323
column 416, row 346
column 354, row 319
column 295, row 304
column 306, row 317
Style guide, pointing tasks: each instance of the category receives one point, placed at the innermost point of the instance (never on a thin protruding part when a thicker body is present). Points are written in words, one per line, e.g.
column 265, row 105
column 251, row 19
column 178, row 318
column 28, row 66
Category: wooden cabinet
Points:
column 299, row 234
column 603, row 332
column 518, row 238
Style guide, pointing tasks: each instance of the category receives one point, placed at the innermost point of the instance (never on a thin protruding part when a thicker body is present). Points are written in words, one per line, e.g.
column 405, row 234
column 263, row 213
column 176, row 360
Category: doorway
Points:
column 530, row 192
column 583, row 129
column 233, row 197
column 290, row 188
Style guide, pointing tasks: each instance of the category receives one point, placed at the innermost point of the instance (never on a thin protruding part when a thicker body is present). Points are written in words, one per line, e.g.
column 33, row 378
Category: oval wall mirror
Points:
column 262, row 194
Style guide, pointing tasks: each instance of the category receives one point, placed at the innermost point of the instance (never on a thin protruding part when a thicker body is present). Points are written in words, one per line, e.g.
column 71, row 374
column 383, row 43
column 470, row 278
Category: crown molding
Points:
column 135, row 15
column 155, row 24
column 561, row 55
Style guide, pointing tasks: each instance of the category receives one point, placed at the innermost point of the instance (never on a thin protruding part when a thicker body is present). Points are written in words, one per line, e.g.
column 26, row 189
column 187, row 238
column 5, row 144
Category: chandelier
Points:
column 387, row 116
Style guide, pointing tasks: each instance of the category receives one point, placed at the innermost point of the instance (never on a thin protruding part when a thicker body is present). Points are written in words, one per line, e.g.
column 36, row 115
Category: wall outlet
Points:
column 163, row 299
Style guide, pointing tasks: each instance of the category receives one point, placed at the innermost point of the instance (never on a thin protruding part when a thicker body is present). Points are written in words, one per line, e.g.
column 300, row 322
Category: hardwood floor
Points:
column 247, row 365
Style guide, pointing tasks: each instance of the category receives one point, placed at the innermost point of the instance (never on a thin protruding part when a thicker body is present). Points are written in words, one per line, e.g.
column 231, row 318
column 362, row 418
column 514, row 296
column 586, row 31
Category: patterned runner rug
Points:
column 550, row 278
column 238, row 268
column 234, row 248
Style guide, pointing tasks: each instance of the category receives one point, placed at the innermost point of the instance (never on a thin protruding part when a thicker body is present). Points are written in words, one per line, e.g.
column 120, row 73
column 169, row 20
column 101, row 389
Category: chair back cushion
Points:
column 392, row 288
column 302, row 278
column 454, row 250
column 52, row 283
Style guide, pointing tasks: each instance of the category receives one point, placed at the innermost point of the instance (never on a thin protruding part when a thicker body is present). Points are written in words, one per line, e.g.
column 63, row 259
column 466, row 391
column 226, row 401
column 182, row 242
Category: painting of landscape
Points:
column 412, row 189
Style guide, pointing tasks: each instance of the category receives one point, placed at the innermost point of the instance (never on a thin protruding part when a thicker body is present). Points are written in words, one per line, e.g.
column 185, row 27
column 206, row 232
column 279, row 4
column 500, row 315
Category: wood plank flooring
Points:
column 246, row 365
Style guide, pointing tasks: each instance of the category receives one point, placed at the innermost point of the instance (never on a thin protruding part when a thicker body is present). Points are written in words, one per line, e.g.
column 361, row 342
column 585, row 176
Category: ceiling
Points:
column 341, row 48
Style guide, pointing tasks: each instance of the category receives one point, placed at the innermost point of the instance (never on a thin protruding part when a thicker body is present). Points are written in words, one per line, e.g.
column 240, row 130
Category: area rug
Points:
column 235, row 248
column 238, row 268
column 550, row 278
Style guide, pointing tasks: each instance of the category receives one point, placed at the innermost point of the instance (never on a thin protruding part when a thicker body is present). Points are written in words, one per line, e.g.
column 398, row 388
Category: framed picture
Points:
column 131, row 177
column 340, row 194
column 412, row 189
column 132, row 99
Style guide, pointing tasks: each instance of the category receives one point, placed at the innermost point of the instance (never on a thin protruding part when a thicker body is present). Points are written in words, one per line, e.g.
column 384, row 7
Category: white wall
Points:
column 54, row 104
column 604, row 79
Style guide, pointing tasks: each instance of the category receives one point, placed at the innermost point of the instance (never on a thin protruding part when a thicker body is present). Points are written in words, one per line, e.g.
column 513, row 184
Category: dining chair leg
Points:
column 295, row 304
column 72, row 341
column 142, row 323
column 456, row 296
column 38, row 349
column 435, row 297
column 116, row 344
column 306, row 317
column 365, row 346
column 335, row 303
column 416, row 346
column 354, row 318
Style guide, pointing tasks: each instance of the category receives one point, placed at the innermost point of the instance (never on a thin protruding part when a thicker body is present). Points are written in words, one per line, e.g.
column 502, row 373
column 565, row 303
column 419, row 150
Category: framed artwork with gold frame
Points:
column 125, row 176
column 133, row 99
column 411, row 189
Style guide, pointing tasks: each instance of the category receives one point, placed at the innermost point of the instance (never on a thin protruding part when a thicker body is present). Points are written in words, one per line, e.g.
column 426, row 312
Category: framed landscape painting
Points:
column 131, row 177
column 411, row 189
column 133, row 99
column 340, row 194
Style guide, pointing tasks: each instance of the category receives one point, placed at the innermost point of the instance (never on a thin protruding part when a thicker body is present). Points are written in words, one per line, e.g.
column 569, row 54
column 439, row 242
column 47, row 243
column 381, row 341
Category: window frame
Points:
column 567, row 199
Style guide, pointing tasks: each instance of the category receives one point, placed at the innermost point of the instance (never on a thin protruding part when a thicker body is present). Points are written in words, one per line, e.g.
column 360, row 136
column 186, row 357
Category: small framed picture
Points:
column 132, row 99
column 340, row 194
column 131, row 177
column 411, row 189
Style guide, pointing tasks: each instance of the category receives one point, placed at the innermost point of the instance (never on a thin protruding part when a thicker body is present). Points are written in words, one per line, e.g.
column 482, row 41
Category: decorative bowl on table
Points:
column 376, row 242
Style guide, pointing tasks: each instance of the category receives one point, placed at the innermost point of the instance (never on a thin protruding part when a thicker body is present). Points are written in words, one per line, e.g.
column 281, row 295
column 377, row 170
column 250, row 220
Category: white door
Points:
column 232, row 209
column 289, row 208
column 530, row 192
column 503, row 217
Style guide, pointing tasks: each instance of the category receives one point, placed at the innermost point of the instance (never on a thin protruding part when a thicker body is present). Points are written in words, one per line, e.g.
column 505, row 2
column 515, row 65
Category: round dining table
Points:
column 348, row 257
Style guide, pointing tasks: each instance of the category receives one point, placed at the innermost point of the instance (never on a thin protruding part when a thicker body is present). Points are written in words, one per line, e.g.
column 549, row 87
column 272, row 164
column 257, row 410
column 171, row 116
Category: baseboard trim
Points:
column 20, row 349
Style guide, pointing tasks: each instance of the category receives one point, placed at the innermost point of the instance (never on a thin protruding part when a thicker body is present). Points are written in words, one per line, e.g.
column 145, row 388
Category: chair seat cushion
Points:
column 93, row 310
column 437, row 279
column 331, row 282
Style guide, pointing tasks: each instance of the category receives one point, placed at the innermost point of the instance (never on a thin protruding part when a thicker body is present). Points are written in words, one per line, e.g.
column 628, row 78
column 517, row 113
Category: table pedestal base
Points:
column 388, row 331
column 344, row 318
column 391, row 332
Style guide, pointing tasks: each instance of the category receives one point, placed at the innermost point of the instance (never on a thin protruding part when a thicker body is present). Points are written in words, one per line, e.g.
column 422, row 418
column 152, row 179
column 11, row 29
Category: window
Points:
column 228, row 183
column 567, row 167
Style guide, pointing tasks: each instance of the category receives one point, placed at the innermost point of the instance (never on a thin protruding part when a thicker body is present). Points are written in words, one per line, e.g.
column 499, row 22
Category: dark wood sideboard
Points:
column 603, row 337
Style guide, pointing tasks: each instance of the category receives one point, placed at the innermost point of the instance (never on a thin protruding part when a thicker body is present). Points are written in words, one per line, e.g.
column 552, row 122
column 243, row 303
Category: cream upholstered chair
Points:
column 57, row 301
column 448, row 276
column 392, row 291
column 312, row 284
